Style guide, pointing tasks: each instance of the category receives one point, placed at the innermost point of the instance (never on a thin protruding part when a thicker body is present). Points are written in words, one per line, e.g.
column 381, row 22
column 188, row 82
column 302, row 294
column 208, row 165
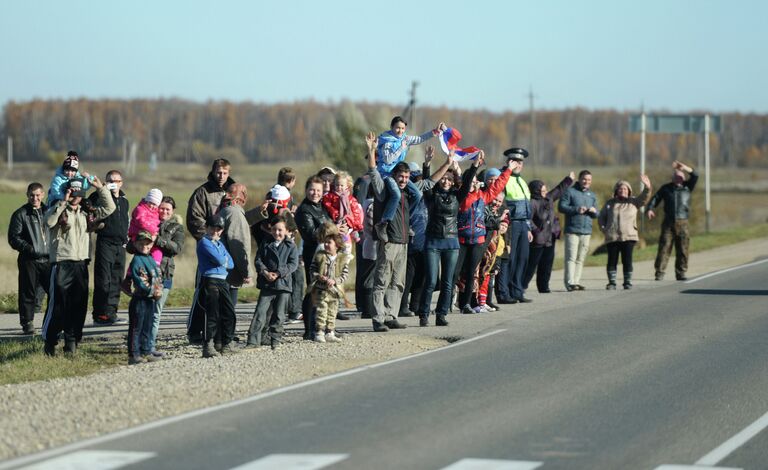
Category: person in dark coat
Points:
column 109, row 266
column 29, row 235
column 546, row 231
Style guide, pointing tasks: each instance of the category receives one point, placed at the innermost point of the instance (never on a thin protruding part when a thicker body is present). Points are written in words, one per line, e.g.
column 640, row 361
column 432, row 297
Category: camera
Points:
column 111, row 186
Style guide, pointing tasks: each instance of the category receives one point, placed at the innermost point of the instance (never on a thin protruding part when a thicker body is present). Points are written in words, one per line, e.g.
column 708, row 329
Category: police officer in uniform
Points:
column 518, row 199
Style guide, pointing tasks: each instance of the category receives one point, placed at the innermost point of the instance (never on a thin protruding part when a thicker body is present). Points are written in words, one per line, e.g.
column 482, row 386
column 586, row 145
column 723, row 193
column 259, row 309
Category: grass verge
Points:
column 23, row 360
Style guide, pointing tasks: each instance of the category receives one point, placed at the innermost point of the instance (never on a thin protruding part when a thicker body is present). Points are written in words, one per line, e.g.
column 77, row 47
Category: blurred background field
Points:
column 738, row 198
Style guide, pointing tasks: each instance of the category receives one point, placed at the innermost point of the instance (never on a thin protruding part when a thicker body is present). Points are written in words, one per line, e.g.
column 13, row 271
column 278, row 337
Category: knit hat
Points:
column 280, row 194
column 155, row 196
column 622, row 183
column 491, row 173
column 72, row 161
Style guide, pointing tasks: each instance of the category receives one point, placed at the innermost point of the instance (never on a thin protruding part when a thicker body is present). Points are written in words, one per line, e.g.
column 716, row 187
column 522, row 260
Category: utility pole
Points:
column 411, row 106
column 534, row 139
column 10, row 153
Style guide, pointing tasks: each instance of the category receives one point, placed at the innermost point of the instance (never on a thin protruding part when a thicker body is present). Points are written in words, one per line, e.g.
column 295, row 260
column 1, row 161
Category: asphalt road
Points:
column 653, row 377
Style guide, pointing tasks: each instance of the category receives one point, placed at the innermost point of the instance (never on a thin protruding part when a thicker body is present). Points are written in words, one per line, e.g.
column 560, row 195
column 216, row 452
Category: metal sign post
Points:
column 679, row 124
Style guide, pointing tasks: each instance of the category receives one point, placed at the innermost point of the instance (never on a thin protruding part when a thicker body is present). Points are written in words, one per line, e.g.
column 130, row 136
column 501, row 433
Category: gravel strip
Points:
column 127, row 396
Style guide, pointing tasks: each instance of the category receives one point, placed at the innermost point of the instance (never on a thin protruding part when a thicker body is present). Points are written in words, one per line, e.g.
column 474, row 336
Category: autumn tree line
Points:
column 186, row 131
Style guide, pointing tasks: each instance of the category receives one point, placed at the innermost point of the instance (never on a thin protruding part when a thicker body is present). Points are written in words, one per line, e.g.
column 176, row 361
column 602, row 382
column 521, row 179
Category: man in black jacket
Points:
column 29, row 235
column 109, row 266
column 389, row 271
column 674, row 229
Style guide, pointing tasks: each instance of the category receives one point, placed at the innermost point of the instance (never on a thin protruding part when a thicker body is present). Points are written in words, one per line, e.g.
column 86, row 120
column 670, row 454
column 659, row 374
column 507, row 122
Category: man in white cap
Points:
column 109, row 264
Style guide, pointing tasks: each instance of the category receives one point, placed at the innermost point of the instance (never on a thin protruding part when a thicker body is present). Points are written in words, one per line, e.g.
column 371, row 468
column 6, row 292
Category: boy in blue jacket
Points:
column 147, row 288
column 213, row 262
column 275, row 262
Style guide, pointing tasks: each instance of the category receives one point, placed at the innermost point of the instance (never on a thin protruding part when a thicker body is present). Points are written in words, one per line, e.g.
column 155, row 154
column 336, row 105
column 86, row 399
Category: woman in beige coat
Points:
column 618, row 221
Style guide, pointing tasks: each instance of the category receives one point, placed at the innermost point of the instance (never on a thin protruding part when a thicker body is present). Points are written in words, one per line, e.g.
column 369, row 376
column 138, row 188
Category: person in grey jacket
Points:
column 69, row 256
column 676, row 197
column 579, row 204
column 29, row 235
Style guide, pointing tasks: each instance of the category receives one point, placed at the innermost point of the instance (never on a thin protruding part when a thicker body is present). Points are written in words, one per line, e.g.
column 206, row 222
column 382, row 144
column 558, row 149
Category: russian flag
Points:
column 449, row 140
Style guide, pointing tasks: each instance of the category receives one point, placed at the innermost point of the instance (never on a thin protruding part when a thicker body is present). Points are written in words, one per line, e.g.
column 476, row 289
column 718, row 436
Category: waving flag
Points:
column 449, row 140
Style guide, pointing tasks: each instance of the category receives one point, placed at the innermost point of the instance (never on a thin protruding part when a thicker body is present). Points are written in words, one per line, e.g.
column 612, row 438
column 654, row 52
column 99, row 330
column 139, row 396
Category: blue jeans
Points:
column 149, row 339
column 445, row 261
column 140, row 313
column 393, row 197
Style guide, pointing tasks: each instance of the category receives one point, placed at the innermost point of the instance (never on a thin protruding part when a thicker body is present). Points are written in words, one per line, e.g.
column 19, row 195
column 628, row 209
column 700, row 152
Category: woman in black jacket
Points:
column 546, row 231
column 442, row 246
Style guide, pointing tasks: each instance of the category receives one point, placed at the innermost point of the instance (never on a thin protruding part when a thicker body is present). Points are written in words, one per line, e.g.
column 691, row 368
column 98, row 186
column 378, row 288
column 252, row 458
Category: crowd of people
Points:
column 475, row 236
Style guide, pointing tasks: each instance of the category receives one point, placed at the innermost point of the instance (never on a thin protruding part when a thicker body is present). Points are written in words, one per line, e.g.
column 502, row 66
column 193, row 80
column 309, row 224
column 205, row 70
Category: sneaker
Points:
column 119, row 321
column 159, row 354
column 28, row 328
column 440, row 320
column 294, row 319
column 659, row 276
column 489, row 308
column 342, row 317
column 627, row 285
column 150, row 358
column 467, row 310
column 380, row 230
column 332, row 338
column 545, row 291
column 133, row 360
column 681, row 277
column 580, row 287
column 479, row 309
column 228, row 349
column 493, row 306
column 571, row 288
column 319, row 337
column 379, row 328
column 394, row 325
column 406, row 314
column 524, row 300
column 610, row 286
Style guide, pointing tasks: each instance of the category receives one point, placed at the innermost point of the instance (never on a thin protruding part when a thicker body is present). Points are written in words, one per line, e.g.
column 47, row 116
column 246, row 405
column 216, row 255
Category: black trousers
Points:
column 469, row 259
column 625, row 250
column 540, row 262
column 67, row 301
column 33, row 273
column 415, row 271
column 108, row 271
column 364, row 291
column 196, row 318
column 219, row 310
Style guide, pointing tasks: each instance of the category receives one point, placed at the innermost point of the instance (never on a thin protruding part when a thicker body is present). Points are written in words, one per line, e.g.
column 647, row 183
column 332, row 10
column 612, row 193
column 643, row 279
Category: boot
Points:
column 440, row 320
column 209, row 349
column 611, row 281
column 70, row 346
column 627, row 280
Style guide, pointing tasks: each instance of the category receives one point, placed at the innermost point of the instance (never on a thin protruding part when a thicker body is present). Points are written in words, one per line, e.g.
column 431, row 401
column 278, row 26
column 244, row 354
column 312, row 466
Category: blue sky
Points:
column 670, row 55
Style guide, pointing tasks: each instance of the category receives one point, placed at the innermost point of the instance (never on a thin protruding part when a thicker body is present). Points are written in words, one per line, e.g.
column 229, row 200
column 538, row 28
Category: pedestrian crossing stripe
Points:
column 293, row 462
column 91, row 460
column 493, row 464
column 693, row 467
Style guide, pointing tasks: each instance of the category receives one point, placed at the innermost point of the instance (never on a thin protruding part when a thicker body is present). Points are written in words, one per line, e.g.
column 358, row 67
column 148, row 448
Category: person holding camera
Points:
column 68, row 291
column 109, row 265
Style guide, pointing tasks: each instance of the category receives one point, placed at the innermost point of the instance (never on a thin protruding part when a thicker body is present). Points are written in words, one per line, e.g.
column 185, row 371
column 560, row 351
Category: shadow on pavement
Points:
column 724, row 292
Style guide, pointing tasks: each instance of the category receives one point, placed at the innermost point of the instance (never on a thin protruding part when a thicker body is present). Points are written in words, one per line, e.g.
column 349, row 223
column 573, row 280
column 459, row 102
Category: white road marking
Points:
column 204, row 411
column 293, row 462
column 92, row 460
column 723, row 271
column 693, row 467
column 727, row 447
column 492, row 464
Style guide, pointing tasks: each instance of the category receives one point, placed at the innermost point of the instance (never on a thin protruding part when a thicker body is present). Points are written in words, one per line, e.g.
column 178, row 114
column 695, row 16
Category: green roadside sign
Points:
column 673, row 123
